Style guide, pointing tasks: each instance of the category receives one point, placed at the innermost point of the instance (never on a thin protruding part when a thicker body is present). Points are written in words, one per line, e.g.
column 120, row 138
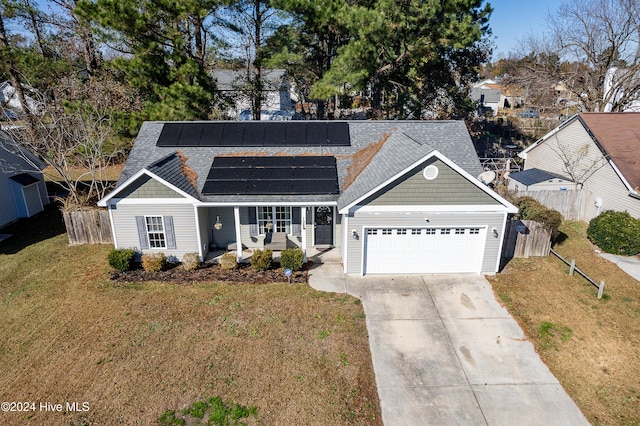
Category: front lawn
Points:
column 592, row 346
column 128, row 354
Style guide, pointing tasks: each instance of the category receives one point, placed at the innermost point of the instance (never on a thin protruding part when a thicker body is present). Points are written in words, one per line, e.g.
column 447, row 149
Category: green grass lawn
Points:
column 129, row 353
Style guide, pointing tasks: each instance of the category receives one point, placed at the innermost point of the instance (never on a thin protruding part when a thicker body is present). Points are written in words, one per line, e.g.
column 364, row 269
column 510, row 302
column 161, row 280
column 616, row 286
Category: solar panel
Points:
column 191, row 134
column 170, row 134
column 254, row 134
column 272, row 176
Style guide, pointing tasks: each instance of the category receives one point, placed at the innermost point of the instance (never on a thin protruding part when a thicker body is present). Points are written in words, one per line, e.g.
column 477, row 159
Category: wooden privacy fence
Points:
column 525, row 238
column 89, row 226
column 570, row 203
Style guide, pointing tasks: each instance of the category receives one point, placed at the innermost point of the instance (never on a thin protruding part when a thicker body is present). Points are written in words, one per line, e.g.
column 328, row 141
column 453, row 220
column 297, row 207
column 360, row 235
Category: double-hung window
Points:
column 274, row 219
column 155, row 232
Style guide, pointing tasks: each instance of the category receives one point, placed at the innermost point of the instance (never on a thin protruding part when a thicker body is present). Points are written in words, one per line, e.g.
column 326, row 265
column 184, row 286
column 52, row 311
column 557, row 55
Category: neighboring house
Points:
column 277, row 90
column 620, row 83
column 491, row 94
column 392, row 196
column 9, row 99
column 595, row 152
column 23, row 192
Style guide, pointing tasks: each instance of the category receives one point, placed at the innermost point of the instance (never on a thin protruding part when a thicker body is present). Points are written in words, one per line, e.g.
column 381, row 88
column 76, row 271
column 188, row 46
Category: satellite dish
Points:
column 487, row 177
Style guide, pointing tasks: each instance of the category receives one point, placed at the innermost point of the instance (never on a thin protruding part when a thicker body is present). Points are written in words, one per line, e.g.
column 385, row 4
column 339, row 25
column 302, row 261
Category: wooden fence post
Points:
column 572, row 266
column 600, row 289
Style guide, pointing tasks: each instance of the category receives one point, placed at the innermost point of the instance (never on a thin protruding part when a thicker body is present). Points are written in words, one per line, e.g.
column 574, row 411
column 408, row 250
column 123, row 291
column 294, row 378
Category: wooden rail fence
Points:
column 89, row 226
column 573, row 268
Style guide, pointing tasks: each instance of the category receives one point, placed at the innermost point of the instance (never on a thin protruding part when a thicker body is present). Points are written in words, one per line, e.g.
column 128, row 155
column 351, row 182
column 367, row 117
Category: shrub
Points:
column 292, row 258
column 154, row 262
column 261, row 260
column 228, row 261
column 531, row 209
column 615, row 232
column 121, row 259
column 190, row 261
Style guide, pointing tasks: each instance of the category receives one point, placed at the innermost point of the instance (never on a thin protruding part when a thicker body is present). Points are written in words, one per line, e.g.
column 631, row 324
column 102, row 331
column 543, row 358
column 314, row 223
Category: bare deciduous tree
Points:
column 604, row 36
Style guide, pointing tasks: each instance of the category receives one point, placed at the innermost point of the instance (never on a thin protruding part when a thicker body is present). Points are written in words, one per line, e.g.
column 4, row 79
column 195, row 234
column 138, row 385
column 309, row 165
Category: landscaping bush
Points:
column 261, row 260
column 532, row 209
column 228, row 261
column 190, row 261
column 121, row 259
column 292, row 258
column 615, row 232
column 154, row 262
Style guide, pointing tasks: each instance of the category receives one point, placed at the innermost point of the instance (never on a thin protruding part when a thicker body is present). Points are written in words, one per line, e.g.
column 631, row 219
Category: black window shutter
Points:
column 253, row 222
column 169, row 232
column 142, row 232
column 296, row 226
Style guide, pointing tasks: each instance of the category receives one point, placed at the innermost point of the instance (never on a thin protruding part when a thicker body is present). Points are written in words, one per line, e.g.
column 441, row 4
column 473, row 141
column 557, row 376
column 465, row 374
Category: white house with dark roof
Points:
column 392, row 196
column 23, row 192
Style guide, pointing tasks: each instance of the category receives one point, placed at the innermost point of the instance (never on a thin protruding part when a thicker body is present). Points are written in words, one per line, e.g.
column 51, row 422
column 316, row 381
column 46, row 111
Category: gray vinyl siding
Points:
column 571, row 140
column 184, row 222
column 146, row 187
column 490, row 220
column 448, row 188
column 604, row 183
column 227, row 234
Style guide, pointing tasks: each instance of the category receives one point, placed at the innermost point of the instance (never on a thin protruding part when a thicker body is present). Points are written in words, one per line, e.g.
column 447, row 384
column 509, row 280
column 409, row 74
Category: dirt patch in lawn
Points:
column 111, row 352
column 592, row 346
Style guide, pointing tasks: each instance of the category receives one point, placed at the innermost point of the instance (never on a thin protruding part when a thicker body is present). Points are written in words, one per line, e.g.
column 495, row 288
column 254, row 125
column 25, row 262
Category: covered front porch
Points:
column 258, row 227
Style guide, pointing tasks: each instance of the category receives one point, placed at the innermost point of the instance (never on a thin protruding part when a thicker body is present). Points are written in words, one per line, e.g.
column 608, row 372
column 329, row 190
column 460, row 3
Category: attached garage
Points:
column 430, row 250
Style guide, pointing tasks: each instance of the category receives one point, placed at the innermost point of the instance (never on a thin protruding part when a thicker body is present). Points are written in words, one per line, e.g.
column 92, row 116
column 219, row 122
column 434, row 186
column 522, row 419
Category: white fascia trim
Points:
column 622, row 178
column 103, row 202
column 268, row 203
column 490, row 208
column 149, row 201
column 435, row 153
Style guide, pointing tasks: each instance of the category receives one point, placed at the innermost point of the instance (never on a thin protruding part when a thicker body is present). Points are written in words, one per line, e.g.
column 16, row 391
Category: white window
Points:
column 401, row 231
column 474, row 231
column 155, row 232
column 445, row 231
column 415, row 231
column 372, row 232
column 459, row 231
column 430, row 231
column 386, row 231
column 274, row 219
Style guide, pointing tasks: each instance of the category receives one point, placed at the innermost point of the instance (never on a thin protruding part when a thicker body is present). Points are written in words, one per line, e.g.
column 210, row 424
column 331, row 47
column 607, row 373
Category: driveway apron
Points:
column 445, row 352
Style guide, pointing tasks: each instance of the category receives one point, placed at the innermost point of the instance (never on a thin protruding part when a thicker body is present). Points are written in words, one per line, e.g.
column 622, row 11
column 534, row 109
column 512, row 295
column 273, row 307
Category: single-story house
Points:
column 391, row 196
column 232, row 84
column 23, row 192
column 538, row 180
column 598, row 153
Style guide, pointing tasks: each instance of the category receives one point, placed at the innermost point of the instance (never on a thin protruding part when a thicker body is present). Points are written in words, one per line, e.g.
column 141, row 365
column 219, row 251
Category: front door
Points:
column 323, row 226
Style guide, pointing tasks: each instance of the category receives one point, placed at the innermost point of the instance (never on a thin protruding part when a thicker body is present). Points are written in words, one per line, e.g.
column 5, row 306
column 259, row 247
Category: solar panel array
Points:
column 254, row 134
column 296, row 175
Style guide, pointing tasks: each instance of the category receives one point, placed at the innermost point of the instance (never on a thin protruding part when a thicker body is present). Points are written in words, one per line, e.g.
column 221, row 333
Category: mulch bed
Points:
column 213, row 272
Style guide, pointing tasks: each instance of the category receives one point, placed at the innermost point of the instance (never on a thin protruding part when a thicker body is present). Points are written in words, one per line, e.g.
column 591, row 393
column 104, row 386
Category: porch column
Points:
column 303, row 228
column 236, row 216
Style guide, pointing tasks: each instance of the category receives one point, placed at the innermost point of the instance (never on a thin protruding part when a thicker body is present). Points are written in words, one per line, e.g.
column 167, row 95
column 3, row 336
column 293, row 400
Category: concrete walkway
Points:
column 445, row 352
column 629, row 264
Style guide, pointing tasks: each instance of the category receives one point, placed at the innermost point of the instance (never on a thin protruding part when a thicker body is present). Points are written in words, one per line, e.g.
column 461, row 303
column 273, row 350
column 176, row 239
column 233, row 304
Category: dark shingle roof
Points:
column 171, row 169
column 406, row 143
column 533, row 176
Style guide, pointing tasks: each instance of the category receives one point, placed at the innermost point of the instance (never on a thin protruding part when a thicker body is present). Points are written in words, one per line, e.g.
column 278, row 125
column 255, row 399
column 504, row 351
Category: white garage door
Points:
column 424, row 250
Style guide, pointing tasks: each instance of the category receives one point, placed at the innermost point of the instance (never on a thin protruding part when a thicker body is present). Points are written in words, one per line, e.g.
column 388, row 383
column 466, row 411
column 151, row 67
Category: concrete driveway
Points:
column 445, row 352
